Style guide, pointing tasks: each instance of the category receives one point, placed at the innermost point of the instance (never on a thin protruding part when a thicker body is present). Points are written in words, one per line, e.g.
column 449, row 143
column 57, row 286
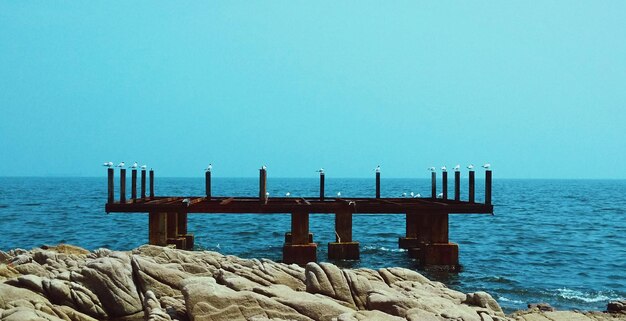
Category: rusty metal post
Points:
column 433, row 178
column 457, row 186
column 471, row 186
column 207, row 183
column 151, row 183
column 262, row 184
column 122, row 185
column 133, row 184
column 444, row 184
column 321, row 186
column 110, row 179
column 488, row 187
column 377, row 184
column 143, row 183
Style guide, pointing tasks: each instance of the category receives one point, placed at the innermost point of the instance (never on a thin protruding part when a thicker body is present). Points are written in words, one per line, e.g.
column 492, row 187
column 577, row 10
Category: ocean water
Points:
column 557, row 241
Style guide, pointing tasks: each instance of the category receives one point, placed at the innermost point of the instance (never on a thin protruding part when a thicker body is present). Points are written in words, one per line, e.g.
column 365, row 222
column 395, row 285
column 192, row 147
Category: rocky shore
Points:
column 155, row 283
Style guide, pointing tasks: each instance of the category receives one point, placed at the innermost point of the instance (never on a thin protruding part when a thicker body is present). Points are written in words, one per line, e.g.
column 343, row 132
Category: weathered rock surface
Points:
column 161, row 284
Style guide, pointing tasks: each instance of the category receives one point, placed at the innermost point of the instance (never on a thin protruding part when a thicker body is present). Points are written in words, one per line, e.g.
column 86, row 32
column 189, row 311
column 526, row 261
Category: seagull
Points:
column 338, row 194
column 186, row 201
column 444, row 168
column 121, row 165
column 288, row 194
column 470, row 167
column 440, row 195
column 263, row 167
column 321, row 170
column 108, row 164
column 208, row 168
column 412, row 194
column 134, row 166
column 143, row 167
column 432, row 169
column 418, row 195
column 403, row 194
column 267, row 194
column 377, row 169
column 457, row 168
column 486, row 166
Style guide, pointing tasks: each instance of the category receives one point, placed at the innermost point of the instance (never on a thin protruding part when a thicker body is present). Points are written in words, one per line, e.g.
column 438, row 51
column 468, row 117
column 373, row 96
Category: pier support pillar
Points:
column 182, row 231
column 173, row 235
column 427, row 240
column 157, row 229
column 300, row 250
column 343, row 248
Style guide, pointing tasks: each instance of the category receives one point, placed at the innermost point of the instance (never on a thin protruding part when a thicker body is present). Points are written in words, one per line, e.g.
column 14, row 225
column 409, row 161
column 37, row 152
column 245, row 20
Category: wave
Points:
column 587, row 297
column 370, row 248
column 505, row 299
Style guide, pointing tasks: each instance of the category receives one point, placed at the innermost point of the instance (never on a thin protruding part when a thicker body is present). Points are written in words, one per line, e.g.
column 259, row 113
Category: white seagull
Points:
column 486, row 166
column 432, row 169
column 403, row 194
column 121, row 165
column 377, row 169
column 143, row 167
column 470, row 167
column 418, row 195
column 263, row 167
column 440, row 195
column 321, row 170
column 457, row 168
column 108, row 164
column 267, row 194
column 134, row 166
column 287, row 194
column 412, row 195
column 444, row 168
column 208, row 168
column 186, row 202
column 338, row 194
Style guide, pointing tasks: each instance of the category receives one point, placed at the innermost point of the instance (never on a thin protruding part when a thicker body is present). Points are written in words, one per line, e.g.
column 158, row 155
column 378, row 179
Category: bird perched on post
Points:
column 487, row 166
column 208, row 168
column 432, row 169
column 108, row 164
column 263, row 167
column 377, row 169
column 457, row 168
column 186, row 201
column 121, row 165
column 321, row 170
column 134, row 165
column 440, row 195
column 444, row 168
column 143, row 167
column 470, row 167
column 338, row 194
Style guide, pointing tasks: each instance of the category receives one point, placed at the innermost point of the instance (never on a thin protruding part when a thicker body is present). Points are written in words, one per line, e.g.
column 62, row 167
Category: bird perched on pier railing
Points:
column 457, row 168
column 134, row 165
column 288, row 194
column 440, row 195
column 208, row 168
column 486, row 166
column 186, row 201
column 108, row 164
column 121, row 165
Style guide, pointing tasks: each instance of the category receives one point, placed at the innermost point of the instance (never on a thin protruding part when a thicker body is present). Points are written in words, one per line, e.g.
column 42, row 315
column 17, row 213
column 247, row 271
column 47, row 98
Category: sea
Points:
column 562, row 242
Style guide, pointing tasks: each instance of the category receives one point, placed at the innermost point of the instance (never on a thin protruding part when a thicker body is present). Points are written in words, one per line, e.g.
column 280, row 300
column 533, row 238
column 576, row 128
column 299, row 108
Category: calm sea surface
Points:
column 556, row 241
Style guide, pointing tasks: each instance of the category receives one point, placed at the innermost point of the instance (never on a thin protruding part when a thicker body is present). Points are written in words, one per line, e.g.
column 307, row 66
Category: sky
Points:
column 537, row 89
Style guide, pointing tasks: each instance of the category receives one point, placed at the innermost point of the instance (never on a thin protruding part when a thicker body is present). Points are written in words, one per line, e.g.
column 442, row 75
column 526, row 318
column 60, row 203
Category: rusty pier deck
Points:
column 426, row 235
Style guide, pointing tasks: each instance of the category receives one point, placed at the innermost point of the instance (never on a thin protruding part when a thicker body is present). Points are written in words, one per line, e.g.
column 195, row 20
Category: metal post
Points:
column 110, row 176
column 488, row 187
column 321, row 186
column 207, row 183
column 457, row 186
column 433, row 177
column 444, row 184
column 133, row 184
column 143, row 183
column 262, row 183
column 471, row 186
column 122, row 185
column 377, row 184
column 151, row 183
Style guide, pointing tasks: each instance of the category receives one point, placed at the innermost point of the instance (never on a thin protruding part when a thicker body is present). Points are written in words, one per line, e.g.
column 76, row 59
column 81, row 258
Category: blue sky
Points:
column 538, row 89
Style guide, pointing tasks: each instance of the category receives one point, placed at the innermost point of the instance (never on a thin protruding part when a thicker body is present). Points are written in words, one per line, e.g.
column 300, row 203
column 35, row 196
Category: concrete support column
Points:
column 427, row 240
column 300, row 250
column 157, row 229
column 343, row 248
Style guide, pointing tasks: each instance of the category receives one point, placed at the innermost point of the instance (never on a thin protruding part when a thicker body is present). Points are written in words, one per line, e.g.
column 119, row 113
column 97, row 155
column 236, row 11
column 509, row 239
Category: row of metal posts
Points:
column 444, row 179
column 133, row 193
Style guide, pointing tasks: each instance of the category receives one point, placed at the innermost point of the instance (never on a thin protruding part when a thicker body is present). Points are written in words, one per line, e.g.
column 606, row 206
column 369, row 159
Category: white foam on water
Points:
column 382, row 248
column 587, row 297
column 505, row 299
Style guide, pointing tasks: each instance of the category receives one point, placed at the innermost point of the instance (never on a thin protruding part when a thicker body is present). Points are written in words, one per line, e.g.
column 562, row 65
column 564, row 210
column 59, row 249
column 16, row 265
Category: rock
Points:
column 32, row 268
column 153, row 310
column 207, row 300
column 23, row 313
column 329, row 280
column 616, row 307
column 369, row 316
column 483, row 300
column 541, row 307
